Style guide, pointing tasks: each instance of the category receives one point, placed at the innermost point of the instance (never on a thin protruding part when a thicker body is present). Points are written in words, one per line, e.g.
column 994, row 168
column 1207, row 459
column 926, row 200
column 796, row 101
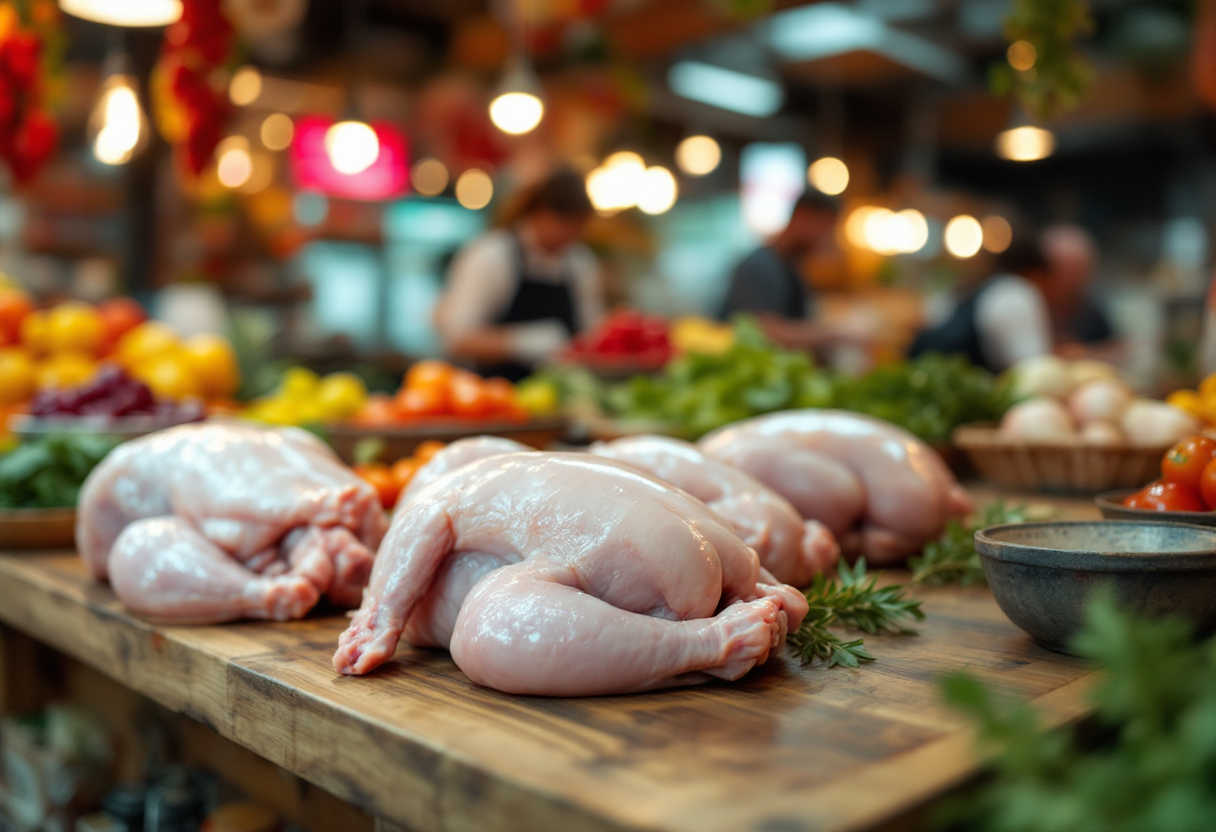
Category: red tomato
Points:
column 422, row 402
column 403, row 471
column 1207, row 485
column 500, row 395
column 1185, row 462
column 1166, row 496
column 380, row 411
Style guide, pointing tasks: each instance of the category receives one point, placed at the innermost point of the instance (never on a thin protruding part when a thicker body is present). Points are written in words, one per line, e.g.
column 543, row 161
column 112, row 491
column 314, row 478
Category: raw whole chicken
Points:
column 458, row 453
column 214, row 522
column 567, row 575
column 882, row 492
column 790, row 548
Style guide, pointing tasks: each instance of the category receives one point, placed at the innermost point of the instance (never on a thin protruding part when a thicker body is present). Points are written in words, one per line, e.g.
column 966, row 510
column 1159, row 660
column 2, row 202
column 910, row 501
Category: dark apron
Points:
column 957, row 335
column 535, row 300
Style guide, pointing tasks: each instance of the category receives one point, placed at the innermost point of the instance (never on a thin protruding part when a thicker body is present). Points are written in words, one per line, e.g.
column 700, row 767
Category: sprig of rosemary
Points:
column 952, row 559
column 853, row 599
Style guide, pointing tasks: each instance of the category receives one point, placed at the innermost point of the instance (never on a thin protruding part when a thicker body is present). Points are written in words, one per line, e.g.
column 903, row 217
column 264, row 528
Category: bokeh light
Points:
column 698, row 155
column 963, row 236
column 474, row 189
column 829, row 175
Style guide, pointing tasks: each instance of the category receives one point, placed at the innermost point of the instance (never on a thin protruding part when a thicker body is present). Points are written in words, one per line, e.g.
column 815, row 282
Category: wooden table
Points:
column 789, row 748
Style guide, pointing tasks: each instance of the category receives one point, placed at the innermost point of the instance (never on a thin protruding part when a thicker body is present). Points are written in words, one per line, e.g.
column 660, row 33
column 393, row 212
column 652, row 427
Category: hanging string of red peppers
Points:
column 28, row 135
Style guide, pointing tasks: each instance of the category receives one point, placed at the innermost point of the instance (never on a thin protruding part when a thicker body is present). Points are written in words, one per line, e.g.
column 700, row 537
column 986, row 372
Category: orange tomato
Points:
column 427, row 450
column 145, row 342
column 75, row 327
column 429, row 373
column 421, row 402
column 468, row 397
column 213, row 362
column 380, row 478
column 118, row 317
column 403, row 471
column 36, row 333
column 17, row 376
column 380, row 411
column 169, row 376
column 15, row 306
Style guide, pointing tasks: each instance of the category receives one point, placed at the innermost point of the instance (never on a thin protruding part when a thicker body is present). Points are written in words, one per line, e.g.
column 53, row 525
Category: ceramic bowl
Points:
column 1112, row 508
column 1042, row 574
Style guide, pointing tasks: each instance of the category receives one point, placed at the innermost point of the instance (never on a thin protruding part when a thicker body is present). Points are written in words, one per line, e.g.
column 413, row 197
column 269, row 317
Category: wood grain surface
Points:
column 789, row 748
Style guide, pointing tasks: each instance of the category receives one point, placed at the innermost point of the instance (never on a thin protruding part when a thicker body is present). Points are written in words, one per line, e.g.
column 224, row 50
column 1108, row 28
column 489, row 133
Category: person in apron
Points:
column 515, row 296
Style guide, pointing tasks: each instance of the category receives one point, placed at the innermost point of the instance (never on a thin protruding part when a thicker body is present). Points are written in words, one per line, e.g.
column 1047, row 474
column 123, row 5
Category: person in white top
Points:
column 515, row 296
column 1004, row 320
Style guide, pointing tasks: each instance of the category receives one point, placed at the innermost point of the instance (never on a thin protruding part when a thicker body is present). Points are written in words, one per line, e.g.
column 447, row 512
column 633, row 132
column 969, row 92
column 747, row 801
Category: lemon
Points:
column 299, row 384
column 341, row 396
column 16, row 376
column 213, row 362
column 145, row 342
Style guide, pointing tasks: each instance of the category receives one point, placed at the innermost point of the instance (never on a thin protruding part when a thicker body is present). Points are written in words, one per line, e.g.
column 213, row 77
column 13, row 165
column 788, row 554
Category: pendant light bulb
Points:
column 118, row 125
column 518, row 107
column 134, row 13
column 352, row 147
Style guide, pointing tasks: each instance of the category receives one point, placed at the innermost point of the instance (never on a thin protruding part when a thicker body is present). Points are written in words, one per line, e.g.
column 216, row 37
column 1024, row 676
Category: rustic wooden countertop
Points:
column 789, row 748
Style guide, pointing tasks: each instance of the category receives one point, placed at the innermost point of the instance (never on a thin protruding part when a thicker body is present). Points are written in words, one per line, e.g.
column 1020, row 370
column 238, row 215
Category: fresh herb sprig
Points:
column 853, row 599
column 952, row 558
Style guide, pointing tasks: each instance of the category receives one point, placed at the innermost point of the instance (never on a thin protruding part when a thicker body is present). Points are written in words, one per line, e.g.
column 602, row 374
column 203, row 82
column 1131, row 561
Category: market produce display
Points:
column 635, row 550
column 1086, row 402
column 626, row 339
column 881, row 491
column 49, row 472
column 1187, row 482
column 112, row 398
column 1200, row 403
column 436, row 391
column 390, row 481
column 67, row 345
column 216, row 522
column 304, row 398
column 793, row 550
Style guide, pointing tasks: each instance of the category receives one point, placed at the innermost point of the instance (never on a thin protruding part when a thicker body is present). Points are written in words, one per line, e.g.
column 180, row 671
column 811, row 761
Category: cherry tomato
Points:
column 380, row 411
column 469, row 397
column 1207, row 485
column 1185, row 462
column 1167, row 496
column 500, row 395
column 403, row 471
column 429, row 373
column 426, row 450
column 380, row 478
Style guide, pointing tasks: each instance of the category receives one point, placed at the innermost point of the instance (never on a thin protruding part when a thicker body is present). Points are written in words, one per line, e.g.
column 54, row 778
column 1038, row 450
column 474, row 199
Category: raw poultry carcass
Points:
column 882, row 491
column 218, row 521
column 792, row 549
column 458, row 453
column 568, row 575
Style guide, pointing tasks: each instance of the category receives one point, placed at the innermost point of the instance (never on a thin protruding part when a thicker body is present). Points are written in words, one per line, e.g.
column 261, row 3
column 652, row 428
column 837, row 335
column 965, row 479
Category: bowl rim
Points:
column 1112, row 501
column 1092, row 561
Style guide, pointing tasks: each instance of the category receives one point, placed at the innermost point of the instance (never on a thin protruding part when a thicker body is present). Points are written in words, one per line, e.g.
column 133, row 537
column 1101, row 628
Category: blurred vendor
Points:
column 1079, row 322
column 516, row 295
column 768, row 282
column 1002, row 321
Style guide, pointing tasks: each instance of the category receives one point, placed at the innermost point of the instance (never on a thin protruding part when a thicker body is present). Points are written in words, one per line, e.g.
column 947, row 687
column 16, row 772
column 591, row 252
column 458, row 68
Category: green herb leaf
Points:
column 952, row 558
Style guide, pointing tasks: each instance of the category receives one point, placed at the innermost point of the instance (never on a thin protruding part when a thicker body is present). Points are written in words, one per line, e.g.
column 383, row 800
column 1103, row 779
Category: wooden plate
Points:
column 23, row 529
column 399, row 442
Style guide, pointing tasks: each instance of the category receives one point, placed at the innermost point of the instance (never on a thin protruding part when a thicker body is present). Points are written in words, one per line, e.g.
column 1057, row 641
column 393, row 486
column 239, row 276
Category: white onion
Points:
column 1156, row 423
column 1103, row 399
column 1101, row 432
column 1043, row 375
column 1088, row 369
column 1041, row 418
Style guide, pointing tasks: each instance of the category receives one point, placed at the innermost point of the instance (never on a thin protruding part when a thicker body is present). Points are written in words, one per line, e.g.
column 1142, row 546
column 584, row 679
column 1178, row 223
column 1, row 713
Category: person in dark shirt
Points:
column 768, row 284
column 1081, row 326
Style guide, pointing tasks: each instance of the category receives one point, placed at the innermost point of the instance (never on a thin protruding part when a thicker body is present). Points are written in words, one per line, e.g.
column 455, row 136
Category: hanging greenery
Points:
column 1044, row 68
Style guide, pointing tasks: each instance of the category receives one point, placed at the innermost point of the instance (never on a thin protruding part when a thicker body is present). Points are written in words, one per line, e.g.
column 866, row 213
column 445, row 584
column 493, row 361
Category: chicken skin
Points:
column 792, row 549
column 241, row 512
column 882, row 492
column 568, row 575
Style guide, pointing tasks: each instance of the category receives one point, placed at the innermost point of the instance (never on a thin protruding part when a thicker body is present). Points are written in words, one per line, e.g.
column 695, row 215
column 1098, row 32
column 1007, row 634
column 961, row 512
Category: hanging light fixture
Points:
column 518, row 107
column 351, row 144
column 125, row 12
column 118, row 126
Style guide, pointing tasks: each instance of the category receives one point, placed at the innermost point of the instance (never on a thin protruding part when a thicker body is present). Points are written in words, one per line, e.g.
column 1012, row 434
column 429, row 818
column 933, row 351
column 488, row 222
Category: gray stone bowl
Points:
column 1042, row 574
column 1112, row 508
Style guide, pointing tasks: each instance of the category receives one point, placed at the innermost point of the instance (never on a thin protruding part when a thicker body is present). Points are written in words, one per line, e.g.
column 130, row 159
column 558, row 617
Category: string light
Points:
column 120, row 124
column 518, row 108
column 1025, row 144
column 829, row 175
column 617, row 183
column 277, row 131
column 698, row 155
column 245, row 86
column 430, row 177
column 352, row 147
column 998, row 234
column 963, row 236
column 658, row 191
column 474, row 189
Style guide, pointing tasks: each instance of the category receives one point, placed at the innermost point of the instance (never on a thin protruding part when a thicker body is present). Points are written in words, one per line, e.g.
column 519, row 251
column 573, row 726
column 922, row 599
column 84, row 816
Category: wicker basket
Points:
column 1057, row 466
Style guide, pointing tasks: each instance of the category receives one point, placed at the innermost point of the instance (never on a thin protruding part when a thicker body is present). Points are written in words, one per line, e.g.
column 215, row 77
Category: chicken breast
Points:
column 568, row 575
column 882, row 492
